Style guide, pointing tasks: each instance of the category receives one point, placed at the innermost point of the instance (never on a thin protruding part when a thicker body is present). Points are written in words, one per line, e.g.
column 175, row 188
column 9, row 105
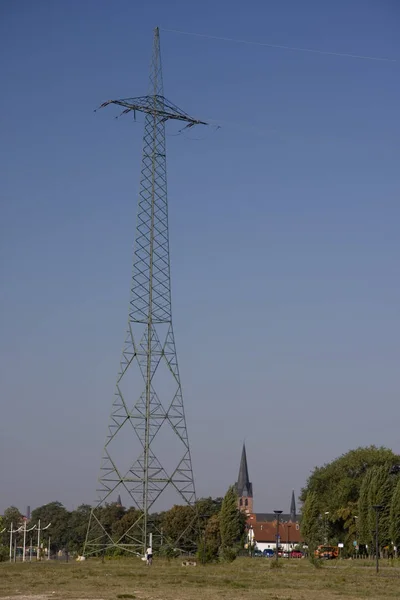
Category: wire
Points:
column 205, row 137
column 196, row 139
column 280, row 46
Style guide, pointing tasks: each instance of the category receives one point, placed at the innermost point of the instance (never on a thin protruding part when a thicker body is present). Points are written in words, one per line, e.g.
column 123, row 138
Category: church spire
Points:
column 293, row 508
column 244, row 487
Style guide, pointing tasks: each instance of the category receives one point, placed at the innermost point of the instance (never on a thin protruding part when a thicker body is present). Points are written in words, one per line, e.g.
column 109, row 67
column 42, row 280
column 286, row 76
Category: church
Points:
column 263, row 526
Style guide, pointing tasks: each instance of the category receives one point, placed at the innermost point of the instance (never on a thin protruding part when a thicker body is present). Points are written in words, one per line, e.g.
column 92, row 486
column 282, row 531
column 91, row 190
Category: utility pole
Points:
column 356, row 545
column 11, row 540
column 38, row 543
column 11, row 533
column 24, row 542
column 278, row 514
column 38, row 539
column 155, row 391
column 326, row 527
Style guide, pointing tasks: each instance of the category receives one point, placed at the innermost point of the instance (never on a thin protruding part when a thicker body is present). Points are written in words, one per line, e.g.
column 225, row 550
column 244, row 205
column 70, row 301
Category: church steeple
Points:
column 293, row 508
column 244, row 487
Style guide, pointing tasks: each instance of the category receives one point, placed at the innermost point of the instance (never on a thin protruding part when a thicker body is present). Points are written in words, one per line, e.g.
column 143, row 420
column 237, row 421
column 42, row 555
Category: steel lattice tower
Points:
column 149, row 344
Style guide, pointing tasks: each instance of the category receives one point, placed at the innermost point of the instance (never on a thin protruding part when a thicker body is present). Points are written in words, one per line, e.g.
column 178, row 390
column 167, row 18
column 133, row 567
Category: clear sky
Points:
column 284, row 230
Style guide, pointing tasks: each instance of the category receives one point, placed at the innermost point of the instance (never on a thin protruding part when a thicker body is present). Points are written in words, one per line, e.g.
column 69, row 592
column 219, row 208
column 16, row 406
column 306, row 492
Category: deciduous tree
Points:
column 395, row 517
column 11, row 516
column 77, row 527
column 364, row 530
column 380, row 493
column 180, row 527
column 337, row 484
column 56, row 514
column 311, row 523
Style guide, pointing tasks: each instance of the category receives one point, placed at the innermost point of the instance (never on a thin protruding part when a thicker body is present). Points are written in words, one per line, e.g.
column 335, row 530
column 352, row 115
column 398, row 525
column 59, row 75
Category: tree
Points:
column 395, row 517
column 380, row 493
column 339, row 481
column 206, row 507
column 212, row 535
column 232, row 524
column 180, row 527
column 348, row 515
column 364, row 530
column 311, row 523
column 56, row 514
column 3, row 548
column 127, row 529
column 337, row 484
column 77, row 526
column 210, row 540
column 14, row 517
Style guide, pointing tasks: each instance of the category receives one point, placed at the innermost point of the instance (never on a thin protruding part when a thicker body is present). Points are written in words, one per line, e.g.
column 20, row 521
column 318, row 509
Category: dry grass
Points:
column 250, row 579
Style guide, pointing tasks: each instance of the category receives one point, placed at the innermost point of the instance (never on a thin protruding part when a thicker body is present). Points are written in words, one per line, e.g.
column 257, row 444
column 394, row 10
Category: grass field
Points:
column 245, row 578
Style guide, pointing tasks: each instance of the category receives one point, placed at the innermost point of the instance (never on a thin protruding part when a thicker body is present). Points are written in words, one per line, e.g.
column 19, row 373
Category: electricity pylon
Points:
column 149, row 347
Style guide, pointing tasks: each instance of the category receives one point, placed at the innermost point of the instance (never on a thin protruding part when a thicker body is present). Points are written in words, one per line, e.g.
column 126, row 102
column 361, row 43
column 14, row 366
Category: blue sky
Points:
column 283, row 225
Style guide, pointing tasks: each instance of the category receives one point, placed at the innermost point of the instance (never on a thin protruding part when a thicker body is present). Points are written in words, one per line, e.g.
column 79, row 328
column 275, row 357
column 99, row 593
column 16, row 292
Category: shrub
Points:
column 168, row 552
column 4, row 553
column 206, row 553
column 228, row 553
column 317, row 562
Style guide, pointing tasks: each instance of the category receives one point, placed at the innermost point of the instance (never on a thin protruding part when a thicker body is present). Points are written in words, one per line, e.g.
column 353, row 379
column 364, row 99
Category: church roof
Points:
column 271, row 517
column 244, row 487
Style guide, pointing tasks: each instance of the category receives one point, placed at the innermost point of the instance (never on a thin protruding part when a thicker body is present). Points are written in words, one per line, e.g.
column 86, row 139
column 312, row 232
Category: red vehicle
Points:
column 296, row 554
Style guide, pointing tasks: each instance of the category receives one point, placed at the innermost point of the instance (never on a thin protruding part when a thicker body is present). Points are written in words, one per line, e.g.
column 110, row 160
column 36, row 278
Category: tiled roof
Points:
column 269, row 517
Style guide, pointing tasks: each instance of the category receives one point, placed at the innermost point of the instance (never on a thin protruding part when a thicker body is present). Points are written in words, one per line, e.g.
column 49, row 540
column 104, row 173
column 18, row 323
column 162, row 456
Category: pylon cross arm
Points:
column 154, row 105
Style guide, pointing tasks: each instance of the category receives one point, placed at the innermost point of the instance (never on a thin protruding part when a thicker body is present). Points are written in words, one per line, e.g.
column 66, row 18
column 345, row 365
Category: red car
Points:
column 296, row 554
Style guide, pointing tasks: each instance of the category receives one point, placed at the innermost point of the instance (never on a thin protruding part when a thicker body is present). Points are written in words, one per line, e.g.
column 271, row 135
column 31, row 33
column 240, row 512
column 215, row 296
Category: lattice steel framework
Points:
column 149, row 344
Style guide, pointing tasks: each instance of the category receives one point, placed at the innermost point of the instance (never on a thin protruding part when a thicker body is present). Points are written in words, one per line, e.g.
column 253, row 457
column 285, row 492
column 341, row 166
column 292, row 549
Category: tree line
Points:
column 339, row 499
column 220, row 526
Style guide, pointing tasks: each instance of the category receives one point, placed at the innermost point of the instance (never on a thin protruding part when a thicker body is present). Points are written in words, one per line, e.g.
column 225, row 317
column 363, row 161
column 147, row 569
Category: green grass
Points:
column 245, row 578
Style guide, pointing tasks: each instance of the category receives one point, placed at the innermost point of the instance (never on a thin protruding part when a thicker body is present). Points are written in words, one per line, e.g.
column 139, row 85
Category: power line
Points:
column 280, row 46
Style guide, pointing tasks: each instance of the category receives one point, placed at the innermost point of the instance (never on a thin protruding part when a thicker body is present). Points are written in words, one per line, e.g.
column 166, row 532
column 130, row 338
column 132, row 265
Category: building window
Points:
column 246, row 502
column 240, row 502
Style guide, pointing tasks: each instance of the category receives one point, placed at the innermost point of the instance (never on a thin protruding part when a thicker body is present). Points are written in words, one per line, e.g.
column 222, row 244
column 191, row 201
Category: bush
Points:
column 4, row 553
column 317, row 562
column 168, row 552
column 206, row 553
column 228, row 554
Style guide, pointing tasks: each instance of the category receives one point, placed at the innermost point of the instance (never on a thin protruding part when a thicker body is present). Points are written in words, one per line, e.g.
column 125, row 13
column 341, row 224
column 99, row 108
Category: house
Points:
column 264, row 535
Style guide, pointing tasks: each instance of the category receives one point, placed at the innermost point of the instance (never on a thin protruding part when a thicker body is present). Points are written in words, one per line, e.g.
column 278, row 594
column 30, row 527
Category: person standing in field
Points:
column 149, row 556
